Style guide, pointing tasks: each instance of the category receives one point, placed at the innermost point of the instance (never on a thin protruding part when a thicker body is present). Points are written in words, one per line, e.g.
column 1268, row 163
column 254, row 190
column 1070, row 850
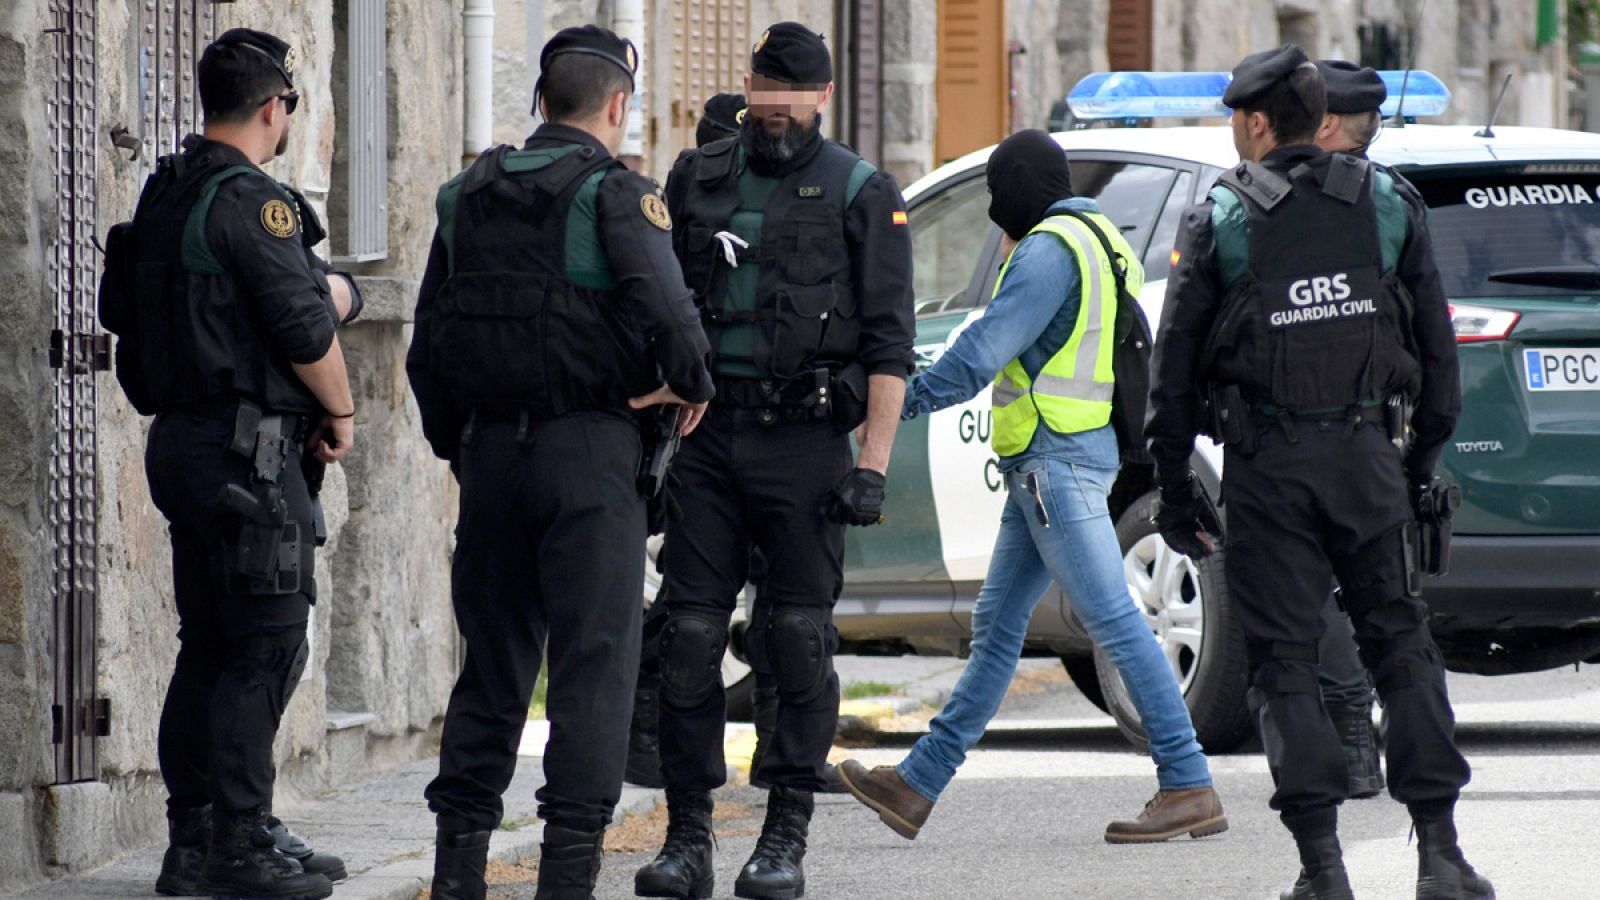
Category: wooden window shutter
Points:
column 974, row 108
column 1128, row 35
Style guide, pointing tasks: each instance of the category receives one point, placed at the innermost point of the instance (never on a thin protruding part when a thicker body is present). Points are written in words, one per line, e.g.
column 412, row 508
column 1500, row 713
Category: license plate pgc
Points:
column 1557, row 369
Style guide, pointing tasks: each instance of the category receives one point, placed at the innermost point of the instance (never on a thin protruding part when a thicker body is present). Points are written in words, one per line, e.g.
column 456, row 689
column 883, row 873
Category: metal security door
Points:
column 76, row 353
column 710, row 53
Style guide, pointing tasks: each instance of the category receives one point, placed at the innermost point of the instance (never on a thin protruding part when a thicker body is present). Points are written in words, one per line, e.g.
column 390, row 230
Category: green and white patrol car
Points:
column 1516, row 227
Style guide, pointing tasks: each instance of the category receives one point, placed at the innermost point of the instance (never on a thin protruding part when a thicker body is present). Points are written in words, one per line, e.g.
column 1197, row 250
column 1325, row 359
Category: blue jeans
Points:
column 1079, row 551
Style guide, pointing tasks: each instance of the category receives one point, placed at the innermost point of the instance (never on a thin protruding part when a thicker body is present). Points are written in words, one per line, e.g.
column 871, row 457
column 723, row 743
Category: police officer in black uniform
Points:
column 800, row 259
column 227, row 336
column 552, row 314
column 719, row 120
column 1303, row 307
column 1350, row 126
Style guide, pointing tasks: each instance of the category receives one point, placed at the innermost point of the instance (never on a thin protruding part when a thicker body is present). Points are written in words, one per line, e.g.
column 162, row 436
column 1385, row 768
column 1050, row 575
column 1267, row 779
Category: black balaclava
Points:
column 1027, row 175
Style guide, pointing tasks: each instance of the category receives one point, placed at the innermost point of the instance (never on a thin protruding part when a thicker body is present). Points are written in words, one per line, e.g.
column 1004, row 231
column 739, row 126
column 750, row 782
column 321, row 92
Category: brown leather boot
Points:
column 883, row 790
column 1171, row 813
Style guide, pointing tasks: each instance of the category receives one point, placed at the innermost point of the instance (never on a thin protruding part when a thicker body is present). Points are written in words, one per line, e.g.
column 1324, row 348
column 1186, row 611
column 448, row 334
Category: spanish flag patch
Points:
column 899, row 217
column 1176, row 256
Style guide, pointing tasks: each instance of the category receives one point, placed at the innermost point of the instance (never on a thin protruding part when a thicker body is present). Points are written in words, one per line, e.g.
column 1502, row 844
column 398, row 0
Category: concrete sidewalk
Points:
column 382, row 829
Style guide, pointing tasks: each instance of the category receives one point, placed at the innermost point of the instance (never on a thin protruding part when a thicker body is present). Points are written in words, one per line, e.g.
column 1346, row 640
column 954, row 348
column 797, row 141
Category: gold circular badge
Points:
column 762, row 42
column 290, row 60
column 277, row 219
column 633, row 58
column 655, row 211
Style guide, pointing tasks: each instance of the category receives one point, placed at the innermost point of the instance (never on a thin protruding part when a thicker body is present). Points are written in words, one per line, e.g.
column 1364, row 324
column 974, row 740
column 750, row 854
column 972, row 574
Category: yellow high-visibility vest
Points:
column 1072, row 393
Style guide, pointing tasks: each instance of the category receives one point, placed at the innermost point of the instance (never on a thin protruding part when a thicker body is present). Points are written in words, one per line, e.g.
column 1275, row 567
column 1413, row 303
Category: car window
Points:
column 1158, row 256
column 1130, row 194
column 1501, row 234
column 949, row 232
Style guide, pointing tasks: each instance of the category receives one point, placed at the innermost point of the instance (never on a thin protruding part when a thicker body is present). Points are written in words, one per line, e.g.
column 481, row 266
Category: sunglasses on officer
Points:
column 290, row 101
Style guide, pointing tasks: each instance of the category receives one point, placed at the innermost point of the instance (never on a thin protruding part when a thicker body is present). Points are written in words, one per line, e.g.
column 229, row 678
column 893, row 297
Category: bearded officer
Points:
column 551, row 298
column 227, row 324
column 1304, row 298
column 800, row 259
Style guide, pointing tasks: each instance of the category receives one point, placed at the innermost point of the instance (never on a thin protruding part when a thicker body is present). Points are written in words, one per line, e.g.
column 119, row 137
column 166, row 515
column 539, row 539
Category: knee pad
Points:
column 1403, row 661
column 800, row 645
column 691, row 659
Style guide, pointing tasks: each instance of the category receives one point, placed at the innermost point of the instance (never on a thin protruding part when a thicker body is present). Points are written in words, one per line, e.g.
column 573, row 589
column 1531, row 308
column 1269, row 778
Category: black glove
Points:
column 857, row 499
column 1185, row 512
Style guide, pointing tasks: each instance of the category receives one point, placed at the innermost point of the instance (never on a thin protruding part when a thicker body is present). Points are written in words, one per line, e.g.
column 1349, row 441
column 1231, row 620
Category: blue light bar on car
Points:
column 1149, row 95
column 1198, row 95
column 1426, row 95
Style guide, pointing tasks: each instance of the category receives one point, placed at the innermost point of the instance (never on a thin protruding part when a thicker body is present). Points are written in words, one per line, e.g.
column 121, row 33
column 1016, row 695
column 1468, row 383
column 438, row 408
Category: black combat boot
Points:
column 764, row 715
column 1353, row 721
column 243, row 861
column 459, row 861
column 683, row 867
column 188, row 835
column 774, row 871
column 1322, row 874
column 644, row 739
column 295, row 847
column 1442, row 870
column 569, row 863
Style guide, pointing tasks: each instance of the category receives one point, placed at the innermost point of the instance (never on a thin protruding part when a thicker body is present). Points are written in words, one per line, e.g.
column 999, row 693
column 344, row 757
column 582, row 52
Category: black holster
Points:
column 1435, row 522
column 848, row 396
column 263, row 556
column 1231, row 421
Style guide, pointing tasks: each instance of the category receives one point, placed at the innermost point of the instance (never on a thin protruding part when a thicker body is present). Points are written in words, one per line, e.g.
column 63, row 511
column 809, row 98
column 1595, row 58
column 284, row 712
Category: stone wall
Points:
column 27, row 196
column 383, row 637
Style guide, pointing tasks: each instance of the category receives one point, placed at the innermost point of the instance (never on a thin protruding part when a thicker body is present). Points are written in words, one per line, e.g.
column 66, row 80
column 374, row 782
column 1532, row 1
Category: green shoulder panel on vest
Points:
column 197, row 255
column 1230, row 229
column 858, row 180
column 1392, row 222
column 587, row 266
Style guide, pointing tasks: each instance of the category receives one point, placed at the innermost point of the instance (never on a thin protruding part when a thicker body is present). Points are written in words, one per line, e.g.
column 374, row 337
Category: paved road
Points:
column 1024, row 818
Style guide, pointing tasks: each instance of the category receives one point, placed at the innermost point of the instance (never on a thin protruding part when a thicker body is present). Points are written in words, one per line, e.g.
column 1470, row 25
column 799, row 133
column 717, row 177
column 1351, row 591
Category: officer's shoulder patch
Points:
column 277, row 219
column 655, row 211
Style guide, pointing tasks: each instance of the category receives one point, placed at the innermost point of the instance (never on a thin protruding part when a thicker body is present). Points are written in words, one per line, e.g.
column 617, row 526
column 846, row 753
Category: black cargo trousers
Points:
column 752, row 478
column 550, row 555
column 240, row 655
column 1319, row 499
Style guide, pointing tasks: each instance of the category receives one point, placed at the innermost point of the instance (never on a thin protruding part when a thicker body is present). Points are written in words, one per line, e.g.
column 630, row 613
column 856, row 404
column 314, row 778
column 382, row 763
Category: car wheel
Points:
column 1086, row 678
column 1187, row 606
column 739, row 680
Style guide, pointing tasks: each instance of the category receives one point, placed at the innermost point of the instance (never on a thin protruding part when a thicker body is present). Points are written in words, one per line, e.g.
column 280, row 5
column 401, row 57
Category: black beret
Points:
column 276, row 50
column 723, row 111
column 791, row 52
column 1351, row 88
column 592, row 40
column 1258, row 72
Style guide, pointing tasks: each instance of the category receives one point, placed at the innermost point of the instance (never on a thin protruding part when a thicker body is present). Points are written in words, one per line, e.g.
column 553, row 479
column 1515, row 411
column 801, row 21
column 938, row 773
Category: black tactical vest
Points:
column 1315, row 323
column 509, row 330
column 804, row 307
column 184, row 333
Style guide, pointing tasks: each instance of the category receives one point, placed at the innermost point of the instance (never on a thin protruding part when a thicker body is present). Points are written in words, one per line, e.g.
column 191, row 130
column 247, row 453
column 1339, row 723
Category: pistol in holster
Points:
column 1436, row 510
column 263, row 558
column 661, row 442
column 1232, row 423
column 315, row 470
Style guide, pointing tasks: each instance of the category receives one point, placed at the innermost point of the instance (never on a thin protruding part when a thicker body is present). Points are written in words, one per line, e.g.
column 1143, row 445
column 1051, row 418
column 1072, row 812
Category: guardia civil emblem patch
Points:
column 277, row 219
column 655, row 211
column 762, row 42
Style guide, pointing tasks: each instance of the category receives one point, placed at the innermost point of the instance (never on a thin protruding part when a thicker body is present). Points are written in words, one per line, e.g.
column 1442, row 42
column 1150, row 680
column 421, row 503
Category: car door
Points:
column 897, row 583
